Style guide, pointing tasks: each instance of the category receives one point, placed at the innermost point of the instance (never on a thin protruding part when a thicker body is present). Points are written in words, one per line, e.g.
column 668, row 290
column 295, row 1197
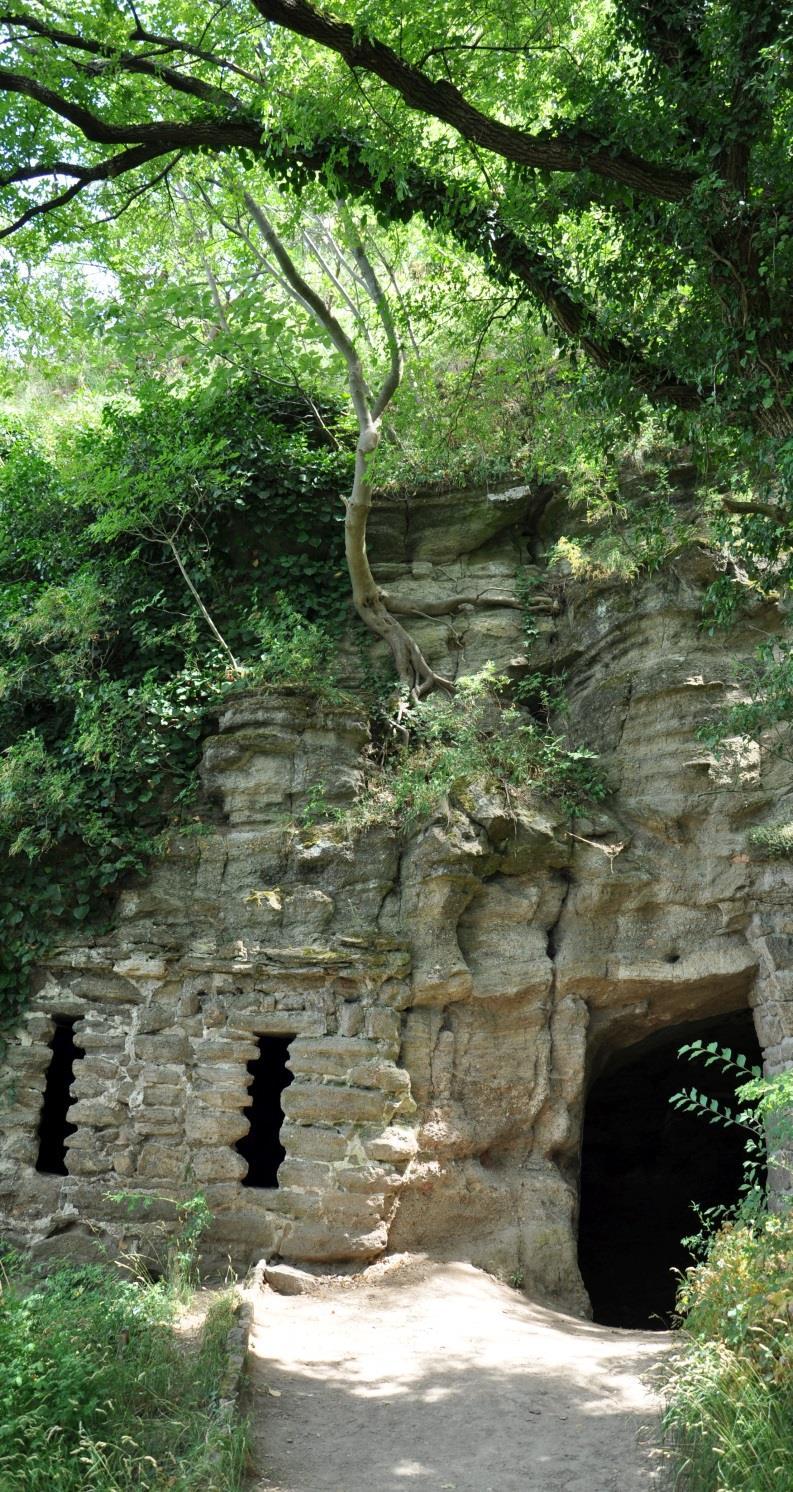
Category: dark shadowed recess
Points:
column 53, row 1128
column 643, row 1164
column 261, row 1147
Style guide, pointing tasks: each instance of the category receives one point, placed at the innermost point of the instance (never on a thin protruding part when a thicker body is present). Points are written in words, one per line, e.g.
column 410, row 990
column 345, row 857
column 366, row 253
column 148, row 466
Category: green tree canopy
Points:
column 624, row 164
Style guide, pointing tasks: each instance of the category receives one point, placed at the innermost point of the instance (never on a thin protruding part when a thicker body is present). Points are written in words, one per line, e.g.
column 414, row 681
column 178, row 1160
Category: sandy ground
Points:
column 436, row 1376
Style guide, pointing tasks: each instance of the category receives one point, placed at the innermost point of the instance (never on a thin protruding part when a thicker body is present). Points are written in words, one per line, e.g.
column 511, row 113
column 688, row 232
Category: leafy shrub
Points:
column 729, row 1416
column 739, row 1290
column 625, row 549
column 109, row 674
column 775, row 839
column 253, row 489
column 766, row 708
column 96, row 1394
column 729, row 1413
column 293, row 649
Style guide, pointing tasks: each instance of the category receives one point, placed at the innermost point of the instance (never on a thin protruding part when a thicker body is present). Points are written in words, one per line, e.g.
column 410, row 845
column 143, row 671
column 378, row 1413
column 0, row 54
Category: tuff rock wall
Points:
column 448, row 995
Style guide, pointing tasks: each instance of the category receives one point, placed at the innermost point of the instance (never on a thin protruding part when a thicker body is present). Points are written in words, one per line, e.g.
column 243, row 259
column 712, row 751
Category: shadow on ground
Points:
column 447, row 1379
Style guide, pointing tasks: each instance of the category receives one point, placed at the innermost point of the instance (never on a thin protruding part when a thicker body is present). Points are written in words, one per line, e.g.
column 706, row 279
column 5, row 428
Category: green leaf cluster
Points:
column 763, row 712
column 729, row 1394
column 98, row 1392
column 479, row 736
column 109, row 675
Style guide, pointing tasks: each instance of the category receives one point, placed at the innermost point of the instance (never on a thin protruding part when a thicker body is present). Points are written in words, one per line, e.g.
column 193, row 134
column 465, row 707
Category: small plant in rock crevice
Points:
column 776, row 840
column 478, row 735
column 762, row 714
column 765, row 710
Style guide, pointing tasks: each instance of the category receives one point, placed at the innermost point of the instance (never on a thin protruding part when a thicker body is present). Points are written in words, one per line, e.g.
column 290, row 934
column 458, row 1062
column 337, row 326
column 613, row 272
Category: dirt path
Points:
column 435, row 1376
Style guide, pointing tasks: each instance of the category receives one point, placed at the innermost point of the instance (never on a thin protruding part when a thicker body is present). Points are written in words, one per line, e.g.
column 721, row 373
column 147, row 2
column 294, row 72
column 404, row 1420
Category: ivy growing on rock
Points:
column 109, row 674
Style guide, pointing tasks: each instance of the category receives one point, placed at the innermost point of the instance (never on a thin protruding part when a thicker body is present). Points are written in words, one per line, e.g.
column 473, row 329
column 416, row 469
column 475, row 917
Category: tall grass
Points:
column 729, row 1416
column 97, row 1395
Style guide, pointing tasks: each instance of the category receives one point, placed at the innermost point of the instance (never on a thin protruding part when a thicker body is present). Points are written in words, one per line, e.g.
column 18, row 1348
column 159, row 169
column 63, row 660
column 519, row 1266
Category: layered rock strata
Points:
column 447, row 994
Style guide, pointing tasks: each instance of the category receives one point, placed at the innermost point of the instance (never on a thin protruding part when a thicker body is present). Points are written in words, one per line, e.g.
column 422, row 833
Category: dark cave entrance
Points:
column 53, row 1128
column 643, row 1163
column 261, row 1147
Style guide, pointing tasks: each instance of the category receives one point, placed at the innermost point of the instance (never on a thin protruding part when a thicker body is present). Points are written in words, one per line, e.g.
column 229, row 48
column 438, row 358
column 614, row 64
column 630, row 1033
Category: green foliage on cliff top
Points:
column 108, row 670
column 479, row 735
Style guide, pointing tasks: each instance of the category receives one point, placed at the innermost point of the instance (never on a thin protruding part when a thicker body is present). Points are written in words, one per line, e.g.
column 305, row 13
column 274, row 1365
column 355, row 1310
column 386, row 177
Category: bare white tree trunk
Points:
column 414, row 671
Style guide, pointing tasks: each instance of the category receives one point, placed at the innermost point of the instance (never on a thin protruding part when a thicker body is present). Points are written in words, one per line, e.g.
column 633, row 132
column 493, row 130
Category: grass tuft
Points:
column 97, row 1395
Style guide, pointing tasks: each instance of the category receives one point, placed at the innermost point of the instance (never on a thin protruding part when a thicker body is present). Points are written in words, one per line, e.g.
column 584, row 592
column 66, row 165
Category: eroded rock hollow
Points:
column 447, row 998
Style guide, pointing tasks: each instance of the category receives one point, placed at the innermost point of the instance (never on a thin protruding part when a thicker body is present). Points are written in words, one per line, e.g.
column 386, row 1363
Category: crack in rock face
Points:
column 446, row 999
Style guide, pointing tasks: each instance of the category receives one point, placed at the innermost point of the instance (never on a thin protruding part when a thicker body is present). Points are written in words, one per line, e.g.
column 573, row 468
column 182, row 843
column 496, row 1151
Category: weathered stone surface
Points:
column 394, row 1145
column 165, row 1046
column 447, row 995
column 330, row 1056
column 227, row 1098
column 286, row 1280
column 158, row 1121
column 96, row 1111
column 205, row 1128
column 312, row 1175
column 157, row 1160
column 312, row 1143
column 218, row 1163
column 330, row 1103
column 316, row 1240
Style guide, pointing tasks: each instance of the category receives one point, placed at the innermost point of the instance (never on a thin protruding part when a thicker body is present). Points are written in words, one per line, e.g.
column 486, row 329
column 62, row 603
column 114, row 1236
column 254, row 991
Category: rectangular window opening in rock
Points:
column 54, row 1129
column 261, row 1147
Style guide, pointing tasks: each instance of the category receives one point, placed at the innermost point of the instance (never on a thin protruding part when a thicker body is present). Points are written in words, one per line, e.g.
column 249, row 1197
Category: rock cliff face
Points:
column 448, row 996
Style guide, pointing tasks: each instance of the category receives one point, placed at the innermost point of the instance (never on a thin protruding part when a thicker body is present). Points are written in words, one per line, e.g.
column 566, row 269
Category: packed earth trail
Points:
column 438, row 1378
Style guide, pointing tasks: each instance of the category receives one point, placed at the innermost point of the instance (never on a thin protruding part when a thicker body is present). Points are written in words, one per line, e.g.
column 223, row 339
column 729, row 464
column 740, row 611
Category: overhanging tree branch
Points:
column 109, row 58
column 478, row 226
column 758, row 510
column 475, row 223
column 197, row 53
column 393, row 377
column 519, row 256
column 109, row 170
column 165, row 134
column 571, row 150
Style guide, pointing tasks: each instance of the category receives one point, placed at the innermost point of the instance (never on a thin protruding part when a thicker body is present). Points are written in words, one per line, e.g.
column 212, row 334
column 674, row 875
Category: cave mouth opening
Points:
column 53, row 1130
column 261, row 1147
column 643, row 1164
